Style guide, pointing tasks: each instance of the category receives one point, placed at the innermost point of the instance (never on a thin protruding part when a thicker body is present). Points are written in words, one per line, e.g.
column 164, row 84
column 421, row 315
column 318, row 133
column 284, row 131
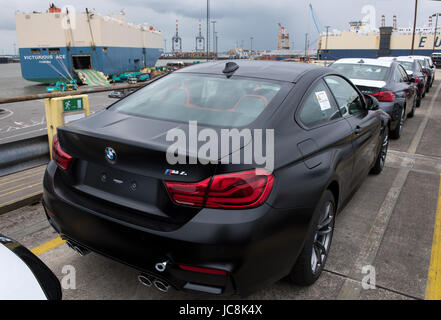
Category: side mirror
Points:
column 412, row 79
column 371, row 102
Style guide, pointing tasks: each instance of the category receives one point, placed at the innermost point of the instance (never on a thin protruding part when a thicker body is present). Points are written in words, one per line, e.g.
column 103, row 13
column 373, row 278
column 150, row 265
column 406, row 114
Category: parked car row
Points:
column 398, row 83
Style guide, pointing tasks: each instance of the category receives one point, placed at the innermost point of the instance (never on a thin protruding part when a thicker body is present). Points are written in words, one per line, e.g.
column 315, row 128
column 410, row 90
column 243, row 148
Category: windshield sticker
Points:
column 323, row 100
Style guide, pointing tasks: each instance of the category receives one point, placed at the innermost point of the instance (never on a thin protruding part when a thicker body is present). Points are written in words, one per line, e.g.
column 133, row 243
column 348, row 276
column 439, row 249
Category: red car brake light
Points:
column 385, row 96
column 190, row 194
column 245, row 190
column 61, row 158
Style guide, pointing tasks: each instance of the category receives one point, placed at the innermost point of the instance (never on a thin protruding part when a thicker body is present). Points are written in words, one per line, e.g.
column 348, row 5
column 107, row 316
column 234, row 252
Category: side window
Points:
column 318, row 108
column 348, row 99
column 404, row 76
column 420, row 68
column 397, row 75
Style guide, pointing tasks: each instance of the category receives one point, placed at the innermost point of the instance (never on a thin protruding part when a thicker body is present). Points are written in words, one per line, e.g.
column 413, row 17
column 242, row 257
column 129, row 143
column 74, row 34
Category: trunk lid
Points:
column 369, row 86
column 134, row 180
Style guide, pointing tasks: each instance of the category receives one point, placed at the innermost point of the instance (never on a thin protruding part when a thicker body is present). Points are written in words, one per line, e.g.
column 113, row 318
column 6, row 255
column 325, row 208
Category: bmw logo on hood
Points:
column 110, row 154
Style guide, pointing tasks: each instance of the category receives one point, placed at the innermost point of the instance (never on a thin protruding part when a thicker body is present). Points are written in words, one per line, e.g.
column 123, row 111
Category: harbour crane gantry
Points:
column 283, row 43
column 200, row 40
column 176, row 40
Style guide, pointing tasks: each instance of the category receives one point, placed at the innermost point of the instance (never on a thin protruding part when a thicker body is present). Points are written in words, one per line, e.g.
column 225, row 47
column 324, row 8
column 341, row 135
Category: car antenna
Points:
column 230, row 69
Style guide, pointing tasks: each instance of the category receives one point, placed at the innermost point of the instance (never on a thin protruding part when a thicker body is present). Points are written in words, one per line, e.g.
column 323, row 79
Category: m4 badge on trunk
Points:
column 170, row 172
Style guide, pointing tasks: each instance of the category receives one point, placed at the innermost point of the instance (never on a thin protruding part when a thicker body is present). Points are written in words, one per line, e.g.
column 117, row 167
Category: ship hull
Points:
column 349, row 44
column 335, row 54
column 46, row 67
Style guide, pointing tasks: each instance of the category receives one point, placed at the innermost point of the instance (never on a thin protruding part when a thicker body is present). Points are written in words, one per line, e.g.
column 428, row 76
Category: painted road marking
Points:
column 433, row 288
column 45, row 247
column 40, row 172
column 14, row 191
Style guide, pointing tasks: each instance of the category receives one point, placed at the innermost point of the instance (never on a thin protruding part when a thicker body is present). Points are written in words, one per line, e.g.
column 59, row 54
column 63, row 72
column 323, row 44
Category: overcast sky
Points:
column 236, row 19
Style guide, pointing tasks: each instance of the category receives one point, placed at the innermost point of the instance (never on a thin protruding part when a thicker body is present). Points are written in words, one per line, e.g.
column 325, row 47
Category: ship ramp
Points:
column 92, row 77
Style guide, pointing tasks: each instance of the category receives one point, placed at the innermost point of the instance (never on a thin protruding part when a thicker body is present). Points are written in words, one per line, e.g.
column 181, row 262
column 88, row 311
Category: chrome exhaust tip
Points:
column 145, row 280
column 161, row 285
column 80, row 250
column 161, row 266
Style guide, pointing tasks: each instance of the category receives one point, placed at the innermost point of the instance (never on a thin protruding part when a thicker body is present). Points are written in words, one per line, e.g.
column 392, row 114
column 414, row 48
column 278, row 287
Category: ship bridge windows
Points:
column 36, row 51
column 82, row 62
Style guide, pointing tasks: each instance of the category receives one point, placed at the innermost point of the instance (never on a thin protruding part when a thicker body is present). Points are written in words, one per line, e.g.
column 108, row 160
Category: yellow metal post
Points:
column 61, row 111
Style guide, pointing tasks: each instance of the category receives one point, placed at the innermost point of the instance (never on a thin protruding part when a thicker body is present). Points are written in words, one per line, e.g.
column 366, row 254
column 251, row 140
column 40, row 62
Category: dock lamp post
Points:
column 436, row 30
column 414, row 27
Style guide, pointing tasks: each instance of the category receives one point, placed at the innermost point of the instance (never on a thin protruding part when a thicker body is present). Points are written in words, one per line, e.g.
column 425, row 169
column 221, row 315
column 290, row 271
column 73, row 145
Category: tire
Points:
column 420, row 98
column 382, row 155
column 308, row 268
column 396, row 133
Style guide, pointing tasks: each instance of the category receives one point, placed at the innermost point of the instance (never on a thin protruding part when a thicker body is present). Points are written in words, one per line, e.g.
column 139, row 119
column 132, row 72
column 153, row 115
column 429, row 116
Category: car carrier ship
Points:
column 363, row 41
column 58, row 45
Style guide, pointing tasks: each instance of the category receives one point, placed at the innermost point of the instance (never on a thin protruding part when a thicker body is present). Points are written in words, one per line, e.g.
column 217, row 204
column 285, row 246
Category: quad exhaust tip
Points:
column 145, row 280
column 80, row 250
column 161, row 285
column 148, row 281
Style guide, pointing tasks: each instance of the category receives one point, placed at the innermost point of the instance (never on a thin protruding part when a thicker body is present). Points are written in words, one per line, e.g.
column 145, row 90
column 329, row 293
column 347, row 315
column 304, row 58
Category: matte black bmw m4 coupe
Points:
column 115, row 185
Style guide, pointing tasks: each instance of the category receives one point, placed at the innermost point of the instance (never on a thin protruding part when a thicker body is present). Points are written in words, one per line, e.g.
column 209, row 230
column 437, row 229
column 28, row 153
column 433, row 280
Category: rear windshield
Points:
column 362, row 71
column 407, row 65
column 210, row 100
column 424, row 63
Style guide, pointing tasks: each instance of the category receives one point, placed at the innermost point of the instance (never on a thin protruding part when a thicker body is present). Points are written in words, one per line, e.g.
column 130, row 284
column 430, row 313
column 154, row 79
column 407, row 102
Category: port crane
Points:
column 316, row 24
column 176, row 40
column 200, row 40
column 283, row 43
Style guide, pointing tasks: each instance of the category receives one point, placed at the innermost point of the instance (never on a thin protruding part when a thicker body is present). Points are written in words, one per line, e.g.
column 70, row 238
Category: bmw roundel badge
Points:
column 110, row 154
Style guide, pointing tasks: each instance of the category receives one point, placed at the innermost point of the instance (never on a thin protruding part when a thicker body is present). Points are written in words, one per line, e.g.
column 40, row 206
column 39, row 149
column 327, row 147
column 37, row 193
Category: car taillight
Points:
column 246, row 190
column 61, row 158
column 385, row 96
column 190, row 194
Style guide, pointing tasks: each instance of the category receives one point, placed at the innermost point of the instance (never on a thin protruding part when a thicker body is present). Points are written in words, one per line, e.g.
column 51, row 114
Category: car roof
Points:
column 271, row 70
column 417, row 57
column 398, row 59
column 375, row 62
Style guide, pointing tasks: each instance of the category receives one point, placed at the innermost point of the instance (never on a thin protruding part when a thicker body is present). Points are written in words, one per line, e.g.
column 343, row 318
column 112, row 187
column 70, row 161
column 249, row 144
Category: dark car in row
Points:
column 416, row 74
column 218, row 226
column 429, row 69
column 388, row 82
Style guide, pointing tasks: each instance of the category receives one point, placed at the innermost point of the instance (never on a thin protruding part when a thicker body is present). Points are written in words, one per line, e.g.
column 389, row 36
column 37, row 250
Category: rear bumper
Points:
column 255, row 247
column 393, row 109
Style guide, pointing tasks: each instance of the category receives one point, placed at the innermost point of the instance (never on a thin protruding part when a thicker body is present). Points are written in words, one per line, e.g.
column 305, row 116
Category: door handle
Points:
column 358, row 130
